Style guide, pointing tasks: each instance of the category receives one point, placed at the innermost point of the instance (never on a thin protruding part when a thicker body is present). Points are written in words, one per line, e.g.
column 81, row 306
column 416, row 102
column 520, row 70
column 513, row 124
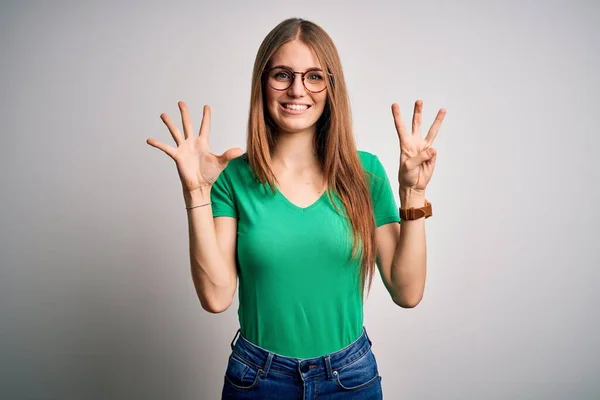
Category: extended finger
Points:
column 205, row 125
column 435, row 127
column 400, row 128
column 172, row 128
column 170, row 151
column 416, row 121
column 185, row 119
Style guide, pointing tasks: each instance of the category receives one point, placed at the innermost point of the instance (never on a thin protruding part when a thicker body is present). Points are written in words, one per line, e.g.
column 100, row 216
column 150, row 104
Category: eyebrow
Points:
column 291, row 69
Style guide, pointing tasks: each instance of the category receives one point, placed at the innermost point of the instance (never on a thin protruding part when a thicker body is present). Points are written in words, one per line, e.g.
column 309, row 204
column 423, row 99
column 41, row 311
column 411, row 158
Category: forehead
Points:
column 297, row 55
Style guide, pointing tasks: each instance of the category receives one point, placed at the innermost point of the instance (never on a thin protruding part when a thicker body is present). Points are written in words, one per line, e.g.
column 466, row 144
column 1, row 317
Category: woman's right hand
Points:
column 198, row 168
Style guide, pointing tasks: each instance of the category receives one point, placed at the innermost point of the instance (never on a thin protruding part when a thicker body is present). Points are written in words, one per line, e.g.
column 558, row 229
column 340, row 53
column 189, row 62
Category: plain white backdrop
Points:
column 96, row 299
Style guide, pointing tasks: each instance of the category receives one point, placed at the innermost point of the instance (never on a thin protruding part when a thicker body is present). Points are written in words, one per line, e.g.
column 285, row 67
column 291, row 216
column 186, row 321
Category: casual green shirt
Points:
column 299, row 292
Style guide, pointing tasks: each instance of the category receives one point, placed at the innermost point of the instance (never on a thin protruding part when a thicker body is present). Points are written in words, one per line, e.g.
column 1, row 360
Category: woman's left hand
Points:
column 417, row 157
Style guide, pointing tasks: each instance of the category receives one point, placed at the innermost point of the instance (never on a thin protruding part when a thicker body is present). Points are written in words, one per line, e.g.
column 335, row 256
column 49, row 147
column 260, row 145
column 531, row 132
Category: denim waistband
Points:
column 266, row 361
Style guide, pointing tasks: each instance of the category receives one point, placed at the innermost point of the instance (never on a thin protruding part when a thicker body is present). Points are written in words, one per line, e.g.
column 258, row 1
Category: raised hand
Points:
column 197, row 167
column 417, row 157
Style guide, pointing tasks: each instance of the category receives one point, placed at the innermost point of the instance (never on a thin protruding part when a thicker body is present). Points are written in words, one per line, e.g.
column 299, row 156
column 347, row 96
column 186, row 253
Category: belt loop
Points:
column 235, row 337
column 328, row 370
column 267, row 367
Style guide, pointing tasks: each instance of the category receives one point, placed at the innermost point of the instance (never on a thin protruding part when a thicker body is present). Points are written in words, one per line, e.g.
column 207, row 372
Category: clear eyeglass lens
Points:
column 281, row 79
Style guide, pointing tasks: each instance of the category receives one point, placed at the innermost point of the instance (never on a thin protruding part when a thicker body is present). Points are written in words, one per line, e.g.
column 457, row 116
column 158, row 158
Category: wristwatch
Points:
column 416, row 213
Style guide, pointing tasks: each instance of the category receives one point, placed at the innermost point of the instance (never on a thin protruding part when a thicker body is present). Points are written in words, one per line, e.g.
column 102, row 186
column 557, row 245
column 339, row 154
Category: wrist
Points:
column 197, row 196
column 410, row 197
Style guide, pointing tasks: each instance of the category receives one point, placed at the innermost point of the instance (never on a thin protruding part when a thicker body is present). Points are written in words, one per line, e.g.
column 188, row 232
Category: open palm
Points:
column 197, row 166
column 417, row 157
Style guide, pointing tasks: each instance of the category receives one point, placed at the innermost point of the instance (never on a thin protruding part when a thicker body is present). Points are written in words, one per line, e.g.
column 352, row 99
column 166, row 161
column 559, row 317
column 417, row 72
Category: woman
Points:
column 301, row 219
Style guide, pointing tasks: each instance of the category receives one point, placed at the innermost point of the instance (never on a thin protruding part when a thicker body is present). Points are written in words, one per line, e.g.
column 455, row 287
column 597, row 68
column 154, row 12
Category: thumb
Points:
column 230, row 155
column 420, row 158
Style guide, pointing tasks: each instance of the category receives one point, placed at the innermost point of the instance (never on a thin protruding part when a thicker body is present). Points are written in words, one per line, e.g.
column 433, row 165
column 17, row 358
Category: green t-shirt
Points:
column 299, row 292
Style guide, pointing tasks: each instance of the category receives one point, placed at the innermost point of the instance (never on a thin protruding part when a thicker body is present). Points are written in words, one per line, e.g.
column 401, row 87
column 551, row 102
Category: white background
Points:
column 96, row 300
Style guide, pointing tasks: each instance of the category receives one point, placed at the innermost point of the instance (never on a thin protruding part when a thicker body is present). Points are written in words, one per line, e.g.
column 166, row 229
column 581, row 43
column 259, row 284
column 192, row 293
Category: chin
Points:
column 294, row 125
column 295, row 128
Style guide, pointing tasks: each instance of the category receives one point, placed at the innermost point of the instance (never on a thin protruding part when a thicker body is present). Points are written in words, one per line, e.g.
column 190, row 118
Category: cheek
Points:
column 321, row 101
column 271, row 96
column 271, row 100
column 270, row 103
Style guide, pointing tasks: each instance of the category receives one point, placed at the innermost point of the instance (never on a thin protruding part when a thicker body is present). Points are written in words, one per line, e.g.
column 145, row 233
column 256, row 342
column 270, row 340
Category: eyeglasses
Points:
column 281, row 78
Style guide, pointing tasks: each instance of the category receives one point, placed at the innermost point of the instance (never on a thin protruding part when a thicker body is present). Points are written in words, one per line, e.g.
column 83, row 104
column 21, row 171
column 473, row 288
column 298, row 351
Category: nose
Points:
column 297, row 88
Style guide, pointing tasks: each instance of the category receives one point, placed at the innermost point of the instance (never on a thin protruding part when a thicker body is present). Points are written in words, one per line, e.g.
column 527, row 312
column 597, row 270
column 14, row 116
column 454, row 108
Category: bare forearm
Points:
column 214, row 283
column 410, row 260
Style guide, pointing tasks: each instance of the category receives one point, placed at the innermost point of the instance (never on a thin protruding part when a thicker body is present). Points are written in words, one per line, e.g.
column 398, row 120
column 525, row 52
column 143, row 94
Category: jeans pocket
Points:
column 240, row 375
column 358, row 374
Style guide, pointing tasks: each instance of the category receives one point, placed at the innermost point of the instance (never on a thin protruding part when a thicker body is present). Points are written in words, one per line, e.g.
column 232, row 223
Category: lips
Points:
column 294, row 108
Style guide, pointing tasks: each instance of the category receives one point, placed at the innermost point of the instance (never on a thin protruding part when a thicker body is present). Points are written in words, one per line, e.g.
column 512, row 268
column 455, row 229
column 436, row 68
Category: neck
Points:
column 295, row 151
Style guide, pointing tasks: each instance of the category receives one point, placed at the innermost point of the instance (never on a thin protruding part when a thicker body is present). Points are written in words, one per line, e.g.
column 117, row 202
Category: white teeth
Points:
column 297, row 107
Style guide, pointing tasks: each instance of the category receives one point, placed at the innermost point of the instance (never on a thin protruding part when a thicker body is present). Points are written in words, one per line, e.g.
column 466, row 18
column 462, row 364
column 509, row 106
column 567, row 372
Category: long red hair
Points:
column 334, row 140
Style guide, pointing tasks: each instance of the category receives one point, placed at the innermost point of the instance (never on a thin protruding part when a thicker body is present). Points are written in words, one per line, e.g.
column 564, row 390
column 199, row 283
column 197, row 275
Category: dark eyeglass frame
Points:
column 302, row 74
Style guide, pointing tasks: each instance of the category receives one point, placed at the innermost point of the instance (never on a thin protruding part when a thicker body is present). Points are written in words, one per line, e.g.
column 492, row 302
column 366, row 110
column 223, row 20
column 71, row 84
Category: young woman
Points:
column 301, row 219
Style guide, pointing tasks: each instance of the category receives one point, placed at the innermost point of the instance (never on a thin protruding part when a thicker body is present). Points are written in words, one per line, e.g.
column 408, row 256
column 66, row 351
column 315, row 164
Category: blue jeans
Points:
column 256, row 373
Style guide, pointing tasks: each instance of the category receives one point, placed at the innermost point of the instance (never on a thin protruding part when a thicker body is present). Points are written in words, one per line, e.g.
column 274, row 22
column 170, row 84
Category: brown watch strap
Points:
column 416, row 213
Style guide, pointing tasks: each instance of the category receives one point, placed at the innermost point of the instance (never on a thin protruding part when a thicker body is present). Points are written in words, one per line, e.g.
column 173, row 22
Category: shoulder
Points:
column 370, row 163
column 235, row 173
column 382, row 195
column 237, row 167
column 238, row 163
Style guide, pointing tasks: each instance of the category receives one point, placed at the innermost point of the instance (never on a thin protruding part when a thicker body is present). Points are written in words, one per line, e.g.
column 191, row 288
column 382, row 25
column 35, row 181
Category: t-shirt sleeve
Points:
column 384, row 204
column 221, row 196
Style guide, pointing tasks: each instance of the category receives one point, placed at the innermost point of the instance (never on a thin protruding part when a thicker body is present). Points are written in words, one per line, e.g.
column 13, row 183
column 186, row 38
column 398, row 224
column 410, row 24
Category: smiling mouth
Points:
column 296, row 107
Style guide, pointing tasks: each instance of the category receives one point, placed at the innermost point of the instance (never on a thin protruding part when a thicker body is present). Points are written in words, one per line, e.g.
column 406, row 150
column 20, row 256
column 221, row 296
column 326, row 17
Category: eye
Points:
column 282, row 75
column 314, row 76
